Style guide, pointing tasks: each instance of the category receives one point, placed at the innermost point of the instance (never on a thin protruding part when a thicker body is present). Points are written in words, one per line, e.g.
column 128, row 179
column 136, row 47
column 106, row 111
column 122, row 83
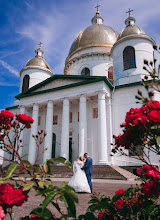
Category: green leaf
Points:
column 87, row 216
column 45, row 214
column 64, row 184
column 48, row 199
column 28, row 186
column 70, row 198
column 24, row 155
column 49, row 180
column 27, row 163
column 59, row 160
column 11, row 170
column 68, row 164
column 16, row 185
column 41, row 183
column 158, row 140
column 25, row 218
column 45, row 167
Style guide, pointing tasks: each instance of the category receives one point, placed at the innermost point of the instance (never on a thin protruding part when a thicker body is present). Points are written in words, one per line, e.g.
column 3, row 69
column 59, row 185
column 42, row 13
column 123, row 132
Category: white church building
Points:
column 82, row 109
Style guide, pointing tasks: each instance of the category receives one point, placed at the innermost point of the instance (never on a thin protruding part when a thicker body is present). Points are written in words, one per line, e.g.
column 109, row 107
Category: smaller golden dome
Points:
column 37, row 62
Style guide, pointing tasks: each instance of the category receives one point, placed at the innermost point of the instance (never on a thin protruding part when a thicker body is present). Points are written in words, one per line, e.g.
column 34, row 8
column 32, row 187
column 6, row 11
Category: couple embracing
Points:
column 81, row 180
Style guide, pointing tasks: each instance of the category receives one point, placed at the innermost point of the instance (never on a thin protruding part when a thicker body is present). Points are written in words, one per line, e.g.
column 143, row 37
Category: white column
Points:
column 109, row 120
column 34, row 130
column 102, row 130
column 21, row 111
column 49, row 126
column 65, row 130
column 82, row 126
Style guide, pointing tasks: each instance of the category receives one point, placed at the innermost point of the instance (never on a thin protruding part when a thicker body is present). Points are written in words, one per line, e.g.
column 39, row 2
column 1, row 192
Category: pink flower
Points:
column 2, row 215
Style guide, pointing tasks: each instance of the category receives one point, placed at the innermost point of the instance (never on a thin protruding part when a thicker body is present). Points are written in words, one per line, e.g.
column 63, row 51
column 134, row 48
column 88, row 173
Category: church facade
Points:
column 82, row 109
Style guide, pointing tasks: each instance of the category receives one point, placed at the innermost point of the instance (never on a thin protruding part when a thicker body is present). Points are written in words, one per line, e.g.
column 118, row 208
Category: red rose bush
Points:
column 138, row 122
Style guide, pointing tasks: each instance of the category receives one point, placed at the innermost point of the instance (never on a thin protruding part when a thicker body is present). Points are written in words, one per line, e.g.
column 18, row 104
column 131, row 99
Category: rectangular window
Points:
column 95, row 112
column 70, row 117
column 70, row 133
column 55, row 119
column 78, row 117
column 39, row 120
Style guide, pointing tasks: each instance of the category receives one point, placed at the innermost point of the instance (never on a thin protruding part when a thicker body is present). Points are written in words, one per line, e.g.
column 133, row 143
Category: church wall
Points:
column 98, row 65
column 143, row 50
column 91, row 50
column 36, row 76
column 123, row 100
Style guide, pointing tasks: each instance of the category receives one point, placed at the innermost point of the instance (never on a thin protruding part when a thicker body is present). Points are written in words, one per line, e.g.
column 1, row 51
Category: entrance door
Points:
column 53, row 145
column 70, row 149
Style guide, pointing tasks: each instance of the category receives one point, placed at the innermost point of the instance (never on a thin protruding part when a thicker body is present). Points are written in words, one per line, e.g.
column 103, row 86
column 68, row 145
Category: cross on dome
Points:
column 40, row 44
column 97, row 6
column 39, row 52
column 129, row 12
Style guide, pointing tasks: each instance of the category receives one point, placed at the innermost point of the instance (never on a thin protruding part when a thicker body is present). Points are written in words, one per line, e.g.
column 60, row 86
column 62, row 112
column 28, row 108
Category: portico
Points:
column 75, row 116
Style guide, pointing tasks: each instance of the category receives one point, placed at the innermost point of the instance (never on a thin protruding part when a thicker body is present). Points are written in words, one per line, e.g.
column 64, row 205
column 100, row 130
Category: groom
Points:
column 88, row 169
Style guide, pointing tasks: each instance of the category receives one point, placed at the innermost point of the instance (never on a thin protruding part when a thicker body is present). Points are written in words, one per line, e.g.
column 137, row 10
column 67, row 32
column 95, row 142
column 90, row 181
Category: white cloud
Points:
column 10, row 68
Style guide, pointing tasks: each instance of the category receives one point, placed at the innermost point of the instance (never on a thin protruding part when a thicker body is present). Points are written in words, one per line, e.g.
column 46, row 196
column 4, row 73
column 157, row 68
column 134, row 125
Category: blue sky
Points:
column 24, row 23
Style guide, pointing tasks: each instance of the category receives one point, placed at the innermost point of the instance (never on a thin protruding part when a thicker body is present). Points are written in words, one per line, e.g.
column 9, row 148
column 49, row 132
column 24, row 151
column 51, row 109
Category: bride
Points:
column 79, row 180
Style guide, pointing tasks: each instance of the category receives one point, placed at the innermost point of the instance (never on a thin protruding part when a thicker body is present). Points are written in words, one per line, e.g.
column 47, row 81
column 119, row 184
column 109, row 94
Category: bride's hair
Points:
column 80, row 158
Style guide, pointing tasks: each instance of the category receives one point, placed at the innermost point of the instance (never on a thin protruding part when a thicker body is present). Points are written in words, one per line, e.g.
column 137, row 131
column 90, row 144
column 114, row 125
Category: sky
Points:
column 24, row 23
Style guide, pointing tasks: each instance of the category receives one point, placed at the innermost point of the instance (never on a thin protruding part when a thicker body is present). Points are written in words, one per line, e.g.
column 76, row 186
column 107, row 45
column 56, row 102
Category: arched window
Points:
column 25, row 85
column 85, row 72
column 110, row 74
column 129, row 61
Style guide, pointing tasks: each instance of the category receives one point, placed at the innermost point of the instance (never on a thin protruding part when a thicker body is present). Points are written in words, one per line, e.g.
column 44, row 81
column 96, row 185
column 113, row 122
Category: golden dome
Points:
column 96, row 35
column 37, row 62
column 132, row 31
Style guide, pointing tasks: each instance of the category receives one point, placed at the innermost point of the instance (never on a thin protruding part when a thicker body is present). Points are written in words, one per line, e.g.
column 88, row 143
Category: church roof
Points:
column 85, row 80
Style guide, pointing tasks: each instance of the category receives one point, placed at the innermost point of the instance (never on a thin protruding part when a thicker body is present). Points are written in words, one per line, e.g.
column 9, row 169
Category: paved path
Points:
column 102, row 186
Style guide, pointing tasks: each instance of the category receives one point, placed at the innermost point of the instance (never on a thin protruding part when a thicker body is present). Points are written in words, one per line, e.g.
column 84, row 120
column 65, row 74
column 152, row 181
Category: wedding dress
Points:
column 79, row 180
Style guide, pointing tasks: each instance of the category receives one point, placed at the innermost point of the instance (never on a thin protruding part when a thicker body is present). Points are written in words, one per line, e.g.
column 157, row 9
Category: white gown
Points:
column 79, row 180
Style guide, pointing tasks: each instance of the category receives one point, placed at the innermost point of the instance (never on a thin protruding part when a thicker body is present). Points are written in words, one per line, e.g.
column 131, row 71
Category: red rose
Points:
column 120, row 191
column 154, row 116
column 119, row 203
column 100, row 215
column 34, row 216
column 6, row 114
column 139, row 171
column 24, row 119
column 153, row 105
column 10, row 196
column 106, row 211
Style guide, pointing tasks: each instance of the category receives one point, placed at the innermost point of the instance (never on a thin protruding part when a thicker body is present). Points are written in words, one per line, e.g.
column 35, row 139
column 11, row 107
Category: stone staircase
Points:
column 99, row 172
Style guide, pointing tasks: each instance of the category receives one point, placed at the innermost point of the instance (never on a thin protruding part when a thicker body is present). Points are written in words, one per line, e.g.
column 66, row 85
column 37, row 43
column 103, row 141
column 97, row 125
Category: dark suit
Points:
column 88, row 170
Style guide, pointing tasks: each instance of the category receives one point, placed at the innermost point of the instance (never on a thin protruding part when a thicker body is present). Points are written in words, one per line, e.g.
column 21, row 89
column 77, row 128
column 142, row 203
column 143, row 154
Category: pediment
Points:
column 58, row 83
